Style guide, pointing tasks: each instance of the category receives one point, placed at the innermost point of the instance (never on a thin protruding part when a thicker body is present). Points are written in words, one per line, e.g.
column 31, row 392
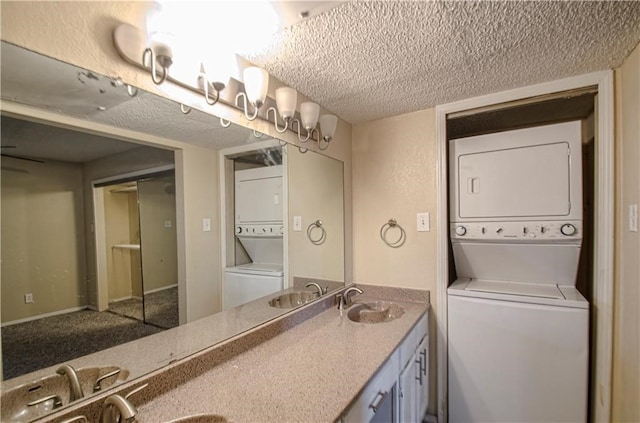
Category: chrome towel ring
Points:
column 318, row 240
column 392, row 223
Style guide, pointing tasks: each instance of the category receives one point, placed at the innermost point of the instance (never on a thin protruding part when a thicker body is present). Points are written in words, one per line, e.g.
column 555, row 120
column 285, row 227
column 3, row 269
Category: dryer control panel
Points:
column 260, row 230
column 525, row 231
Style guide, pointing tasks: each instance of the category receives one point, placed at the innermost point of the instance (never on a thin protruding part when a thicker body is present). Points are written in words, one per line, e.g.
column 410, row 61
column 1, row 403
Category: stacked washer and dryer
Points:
column 518, row 329
column 259, row 231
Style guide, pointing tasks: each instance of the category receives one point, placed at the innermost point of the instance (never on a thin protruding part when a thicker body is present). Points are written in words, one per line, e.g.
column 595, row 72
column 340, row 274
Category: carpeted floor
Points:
column 160, row 308
column 33, row 345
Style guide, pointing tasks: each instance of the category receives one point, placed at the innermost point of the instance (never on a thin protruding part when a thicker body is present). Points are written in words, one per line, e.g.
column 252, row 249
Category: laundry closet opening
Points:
column 521, row 231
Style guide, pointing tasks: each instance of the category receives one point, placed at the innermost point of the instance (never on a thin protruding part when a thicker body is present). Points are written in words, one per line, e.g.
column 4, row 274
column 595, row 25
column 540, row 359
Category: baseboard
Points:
column 42, row 316
column 160, row 289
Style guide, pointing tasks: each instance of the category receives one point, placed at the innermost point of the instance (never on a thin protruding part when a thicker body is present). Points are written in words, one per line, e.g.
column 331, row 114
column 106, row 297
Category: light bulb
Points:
column 286, row 100
column 256, row 83
column 309, row 115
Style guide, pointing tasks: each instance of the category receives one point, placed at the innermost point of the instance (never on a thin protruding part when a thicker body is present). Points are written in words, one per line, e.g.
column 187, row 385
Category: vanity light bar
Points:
column 250, row 97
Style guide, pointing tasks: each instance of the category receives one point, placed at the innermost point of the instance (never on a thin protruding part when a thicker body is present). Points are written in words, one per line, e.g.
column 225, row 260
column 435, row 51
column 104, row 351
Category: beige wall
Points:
column 394, row 176
column 157, row 201
column 42, row 237
column 626, row 348
column 315, row 193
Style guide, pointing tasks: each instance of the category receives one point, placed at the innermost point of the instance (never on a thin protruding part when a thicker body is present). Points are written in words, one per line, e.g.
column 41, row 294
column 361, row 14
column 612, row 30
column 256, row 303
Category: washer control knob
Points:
column 499, row 230
column 461, row 230
column 239, row 230
column 568, row 229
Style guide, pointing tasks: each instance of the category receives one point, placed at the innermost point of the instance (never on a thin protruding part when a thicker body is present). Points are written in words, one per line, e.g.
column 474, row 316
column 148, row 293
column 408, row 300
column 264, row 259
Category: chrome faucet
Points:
column 321, row 291
column 126, row 412
column 345, row 299
column 74, row 382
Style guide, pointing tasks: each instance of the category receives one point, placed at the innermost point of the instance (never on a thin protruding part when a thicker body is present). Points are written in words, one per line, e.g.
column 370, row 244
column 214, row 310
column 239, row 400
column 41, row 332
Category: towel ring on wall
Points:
column 392, row 223
column 323, row 234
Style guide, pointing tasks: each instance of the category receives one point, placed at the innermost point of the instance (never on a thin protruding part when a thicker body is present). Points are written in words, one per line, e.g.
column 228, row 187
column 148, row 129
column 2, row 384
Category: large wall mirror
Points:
column 93, row 221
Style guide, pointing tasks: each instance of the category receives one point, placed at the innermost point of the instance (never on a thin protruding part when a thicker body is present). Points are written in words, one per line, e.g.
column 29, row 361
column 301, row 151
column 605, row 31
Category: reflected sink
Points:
column 201, row 418
column 40, row 397
column 374, row 312
column 293, row 299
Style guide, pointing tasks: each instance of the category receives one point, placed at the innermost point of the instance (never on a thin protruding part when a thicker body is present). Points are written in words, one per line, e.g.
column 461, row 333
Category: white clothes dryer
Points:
column 517, row 327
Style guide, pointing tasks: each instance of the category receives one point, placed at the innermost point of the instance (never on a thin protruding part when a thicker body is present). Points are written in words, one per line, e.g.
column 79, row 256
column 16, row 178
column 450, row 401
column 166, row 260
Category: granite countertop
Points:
column 145, row 355
column 308, row 373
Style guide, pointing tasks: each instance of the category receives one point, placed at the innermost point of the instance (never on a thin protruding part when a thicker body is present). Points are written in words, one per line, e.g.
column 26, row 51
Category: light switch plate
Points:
column 297, row 223
column 206, row 225
column 423, row 222
column 167, row 224
column 633, row 218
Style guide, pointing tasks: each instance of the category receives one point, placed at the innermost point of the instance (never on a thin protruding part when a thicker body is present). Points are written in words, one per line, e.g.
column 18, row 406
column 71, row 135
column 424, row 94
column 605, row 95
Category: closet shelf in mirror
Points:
column 127, row 246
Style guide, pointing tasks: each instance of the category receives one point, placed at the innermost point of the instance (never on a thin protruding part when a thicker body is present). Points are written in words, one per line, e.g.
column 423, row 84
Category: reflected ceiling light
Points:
column 286, row 102
column 256, row 84
column 328, row 125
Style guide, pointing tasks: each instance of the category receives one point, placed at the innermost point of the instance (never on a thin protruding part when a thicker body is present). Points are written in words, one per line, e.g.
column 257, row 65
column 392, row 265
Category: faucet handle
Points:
column 135, row 391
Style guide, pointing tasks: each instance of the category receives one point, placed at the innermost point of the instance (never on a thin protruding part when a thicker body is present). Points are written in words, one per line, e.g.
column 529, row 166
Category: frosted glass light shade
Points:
column 256, row 83
column 309, row 113
column 328, row 125
column 286, row 100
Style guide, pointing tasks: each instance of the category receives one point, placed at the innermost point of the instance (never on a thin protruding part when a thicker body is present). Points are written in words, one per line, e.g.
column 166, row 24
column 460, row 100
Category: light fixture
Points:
column 328, row 125
column 158, row 51
column 309, row 113
column 208, row 85
column 256, row 83
column 286, row 101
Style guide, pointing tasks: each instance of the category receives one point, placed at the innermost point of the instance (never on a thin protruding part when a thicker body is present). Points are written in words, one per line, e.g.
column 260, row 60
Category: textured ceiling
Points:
column 365, row 60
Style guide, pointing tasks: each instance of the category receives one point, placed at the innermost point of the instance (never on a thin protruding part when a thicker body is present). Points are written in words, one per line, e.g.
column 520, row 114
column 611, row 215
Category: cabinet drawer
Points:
column 379, row 389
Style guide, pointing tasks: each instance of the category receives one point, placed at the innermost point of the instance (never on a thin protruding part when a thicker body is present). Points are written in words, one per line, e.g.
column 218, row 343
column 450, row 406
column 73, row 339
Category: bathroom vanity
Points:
column 313, row 364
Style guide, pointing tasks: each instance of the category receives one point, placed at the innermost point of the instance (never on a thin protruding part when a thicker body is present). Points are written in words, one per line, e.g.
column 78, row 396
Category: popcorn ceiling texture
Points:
column 367, row 60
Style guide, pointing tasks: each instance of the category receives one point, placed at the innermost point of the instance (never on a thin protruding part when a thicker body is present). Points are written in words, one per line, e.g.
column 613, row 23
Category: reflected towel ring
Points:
column 323, row 234
column 392, row 223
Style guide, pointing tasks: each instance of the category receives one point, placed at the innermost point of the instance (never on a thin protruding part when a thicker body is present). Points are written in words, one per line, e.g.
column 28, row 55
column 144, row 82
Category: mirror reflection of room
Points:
column 50, row 312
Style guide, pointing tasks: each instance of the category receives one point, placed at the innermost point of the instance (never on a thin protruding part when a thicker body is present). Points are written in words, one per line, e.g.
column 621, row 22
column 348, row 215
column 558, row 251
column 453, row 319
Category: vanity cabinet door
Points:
column 407, row 394
column 378, row 400
column 413, row 383
column 422, row 384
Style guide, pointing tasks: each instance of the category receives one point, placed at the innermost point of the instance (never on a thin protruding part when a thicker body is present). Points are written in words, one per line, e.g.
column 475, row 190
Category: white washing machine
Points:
column 264, row 275
column 517, row 327
column 251, row 281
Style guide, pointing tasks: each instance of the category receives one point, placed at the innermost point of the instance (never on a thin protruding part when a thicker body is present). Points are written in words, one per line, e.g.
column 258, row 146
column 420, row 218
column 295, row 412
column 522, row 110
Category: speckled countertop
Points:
column 144, row 355
column 309, row 373
column 304, row 366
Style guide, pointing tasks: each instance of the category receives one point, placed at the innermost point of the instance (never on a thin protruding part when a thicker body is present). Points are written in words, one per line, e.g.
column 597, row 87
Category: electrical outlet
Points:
column 28, row 298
